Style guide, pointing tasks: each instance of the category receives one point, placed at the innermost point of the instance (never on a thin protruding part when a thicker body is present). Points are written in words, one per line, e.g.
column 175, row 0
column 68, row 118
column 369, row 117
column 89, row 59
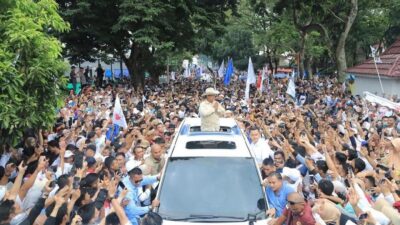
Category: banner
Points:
column 381, row 101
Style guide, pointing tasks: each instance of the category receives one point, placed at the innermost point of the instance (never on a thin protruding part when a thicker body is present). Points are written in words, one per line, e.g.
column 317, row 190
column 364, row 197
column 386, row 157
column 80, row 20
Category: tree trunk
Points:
column 134, row 66
column 340, row 48
column 269, row 60
column 309, row 67
column 302, row 53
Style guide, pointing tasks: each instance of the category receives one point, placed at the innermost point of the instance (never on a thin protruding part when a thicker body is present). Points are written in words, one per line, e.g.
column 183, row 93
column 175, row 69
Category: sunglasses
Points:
column 138, row 181
column 293, row 203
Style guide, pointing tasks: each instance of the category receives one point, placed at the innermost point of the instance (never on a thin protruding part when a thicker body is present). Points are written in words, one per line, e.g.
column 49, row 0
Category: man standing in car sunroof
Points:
column 210, row 111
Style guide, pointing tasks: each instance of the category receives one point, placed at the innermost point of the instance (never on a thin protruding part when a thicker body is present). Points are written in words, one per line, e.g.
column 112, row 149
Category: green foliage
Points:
column 143, row 33
column 236, row 44
column 31, row 67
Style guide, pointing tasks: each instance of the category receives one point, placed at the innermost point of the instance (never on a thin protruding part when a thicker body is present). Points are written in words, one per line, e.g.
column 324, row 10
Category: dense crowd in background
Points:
column 326, row 156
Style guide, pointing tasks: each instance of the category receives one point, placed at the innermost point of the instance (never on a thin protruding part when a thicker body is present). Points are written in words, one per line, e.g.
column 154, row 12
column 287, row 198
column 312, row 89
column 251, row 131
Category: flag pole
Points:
column 374, row 53
column 379, row 76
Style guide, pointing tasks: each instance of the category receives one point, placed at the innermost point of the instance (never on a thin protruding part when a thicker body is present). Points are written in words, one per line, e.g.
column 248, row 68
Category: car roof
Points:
column 232, row 134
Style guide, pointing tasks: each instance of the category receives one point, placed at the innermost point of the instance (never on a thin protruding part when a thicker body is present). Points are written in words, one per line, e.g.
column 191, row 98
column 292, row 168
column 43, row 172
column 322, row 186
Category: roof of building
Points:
column 389, row 67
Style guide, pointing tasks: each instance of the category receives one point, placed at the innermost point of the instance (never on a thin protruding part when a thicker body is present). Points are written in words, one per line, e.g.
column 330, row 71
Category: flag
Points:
column 172, row 75
column 260, row 80
column 251, row 78
column 118, row 115
column 291, row 90
column 187, row 74
column 374, row 53
column 228, row 73
column 344, row 87
column 258, row 84
column 221, row 70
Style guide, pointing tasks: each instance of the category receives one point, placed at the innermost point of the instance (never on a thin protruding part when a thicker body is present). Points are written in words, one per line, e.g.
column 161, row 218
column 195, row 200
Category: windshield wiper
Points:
column 205, row 217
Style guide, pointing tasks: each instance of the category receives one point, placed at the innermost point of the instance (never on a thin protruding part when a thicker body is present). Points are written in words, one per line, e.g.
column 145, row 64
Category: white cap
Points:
column 131, row 164
column 68, row 154
column 292, row 174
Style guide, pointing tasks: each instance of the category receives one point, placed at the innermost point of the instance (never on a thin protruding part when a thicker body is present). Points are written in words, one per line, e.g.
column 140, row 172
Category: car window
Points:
column 211, row 189
column 211, row 145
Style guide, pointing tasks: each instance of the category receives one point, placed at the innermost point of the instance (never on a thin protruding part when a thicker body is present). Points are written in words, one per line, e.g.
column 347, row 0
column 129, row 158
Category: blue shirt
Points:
column 134, row 210
column 278, row 200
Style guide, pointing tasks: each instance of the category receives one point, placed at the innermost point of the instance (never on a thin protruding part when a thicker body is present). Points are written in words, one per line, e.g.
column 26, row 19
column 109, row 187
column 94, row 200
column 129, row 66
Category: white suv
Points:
column 211, row 177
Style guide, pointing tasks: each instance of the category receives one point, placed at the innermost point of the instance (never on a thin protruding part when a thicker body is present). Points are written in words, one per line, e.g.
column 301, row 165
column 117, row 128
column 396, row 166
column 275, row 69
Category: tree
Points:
column 140, row 32
column 31, row 67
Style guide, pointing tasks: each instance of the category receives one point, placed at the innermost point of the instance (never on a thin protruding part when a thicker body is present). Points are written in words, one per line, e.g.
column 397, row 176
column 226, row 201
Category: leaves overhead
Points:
column 31, row 66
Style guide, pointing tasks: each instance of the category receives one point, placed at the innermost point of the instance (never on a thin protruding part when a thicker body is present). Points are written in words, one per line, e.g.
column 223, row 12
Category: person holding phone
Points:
column 134, row 182
column 259, row 146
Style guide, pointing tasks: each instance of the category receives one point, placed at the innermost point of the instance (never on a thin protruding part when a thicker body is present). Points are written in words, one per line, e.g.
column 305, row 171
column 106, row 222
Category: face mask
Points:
column 384, row 125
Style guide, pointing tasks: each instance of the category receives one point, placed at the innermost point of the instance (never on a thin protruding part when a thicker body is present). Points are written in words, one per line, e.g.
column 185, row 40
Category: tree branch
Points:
column 337, row 17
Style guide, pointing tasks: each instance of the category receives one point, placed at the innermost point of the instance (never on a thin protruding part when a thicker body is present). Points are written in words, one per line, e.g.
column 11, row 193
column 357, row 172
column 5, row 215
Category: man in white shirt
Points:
column 210, row 111
column 259, row 146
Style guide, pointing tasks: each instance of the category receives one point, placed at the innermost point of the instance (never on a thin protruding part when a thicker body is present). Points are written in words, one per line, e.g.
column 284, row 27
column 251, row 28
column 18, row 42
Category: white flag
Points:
column 221, row 70
column 251, row 78
column 262, row 80
column 118, row 115
column 291, row 90
column 172, row 75
column 374, row 53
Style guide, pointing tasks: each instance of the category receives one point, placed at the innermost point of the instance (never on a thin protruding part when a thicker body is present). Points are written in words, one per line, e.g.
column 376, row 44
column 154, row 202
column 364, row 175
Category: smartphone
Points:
column 52, row 184
column 363, row 216
column 121, row 184
column 75, row 184
column 312, row 180
column 350, row 172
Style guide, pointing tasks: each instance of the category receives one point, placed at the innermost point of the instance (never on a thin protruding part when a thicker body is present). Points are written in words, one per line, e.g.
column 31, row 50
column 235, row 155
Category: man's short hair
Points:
column 136, row 171
column 86, row 212
column 112, row 219
column 6, row 208
column 280, row 153
column 276, row 174
column 326, row 186
column 321, row 165
column 359, row 165
column 62, row 211
column 254, row 128
column 152, row 218
column 268, row 162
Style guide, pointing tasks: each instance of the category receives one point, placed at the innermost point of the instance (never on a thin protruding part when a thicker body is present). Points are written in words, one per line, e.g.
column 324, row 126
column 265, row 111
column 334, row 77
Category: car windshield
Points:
column 211, row 189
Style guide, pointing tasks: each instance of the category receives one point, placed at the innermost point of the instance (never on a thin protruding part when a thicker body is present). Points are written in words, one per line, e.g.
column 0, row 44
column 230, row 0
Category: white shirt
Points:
column 67, row 169
column 261, row 150
column 100, row 143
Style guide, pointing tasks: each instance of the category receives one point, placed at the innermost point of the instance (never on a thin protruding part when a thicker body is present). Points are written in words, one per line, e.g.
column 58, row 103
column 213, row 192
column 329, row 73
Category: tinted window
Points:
column 210, row 145
column 211, row 189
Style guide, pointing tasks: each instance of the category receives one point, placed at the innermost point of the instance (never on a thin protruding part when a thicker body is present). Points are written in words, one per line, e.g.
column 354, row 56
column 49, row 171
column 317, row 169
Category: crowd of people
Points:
column 326, row 156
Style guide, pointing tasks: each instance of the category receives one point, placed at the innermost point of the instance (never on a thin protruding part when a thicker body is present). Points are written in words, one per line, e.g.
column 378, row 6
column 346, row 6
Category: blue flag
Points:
column 228, row 73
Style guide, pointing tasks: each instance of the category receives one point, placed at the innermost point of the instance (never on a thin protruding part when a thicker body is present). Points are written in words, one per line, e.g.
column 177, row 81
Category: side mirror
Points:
column 261, row 204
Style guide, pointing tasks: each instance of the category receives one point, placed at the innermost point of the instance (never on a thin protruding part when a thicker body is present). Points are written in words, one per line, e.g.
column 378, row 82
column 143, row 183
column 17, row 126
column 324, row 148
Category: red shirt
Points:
column 305, row 218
